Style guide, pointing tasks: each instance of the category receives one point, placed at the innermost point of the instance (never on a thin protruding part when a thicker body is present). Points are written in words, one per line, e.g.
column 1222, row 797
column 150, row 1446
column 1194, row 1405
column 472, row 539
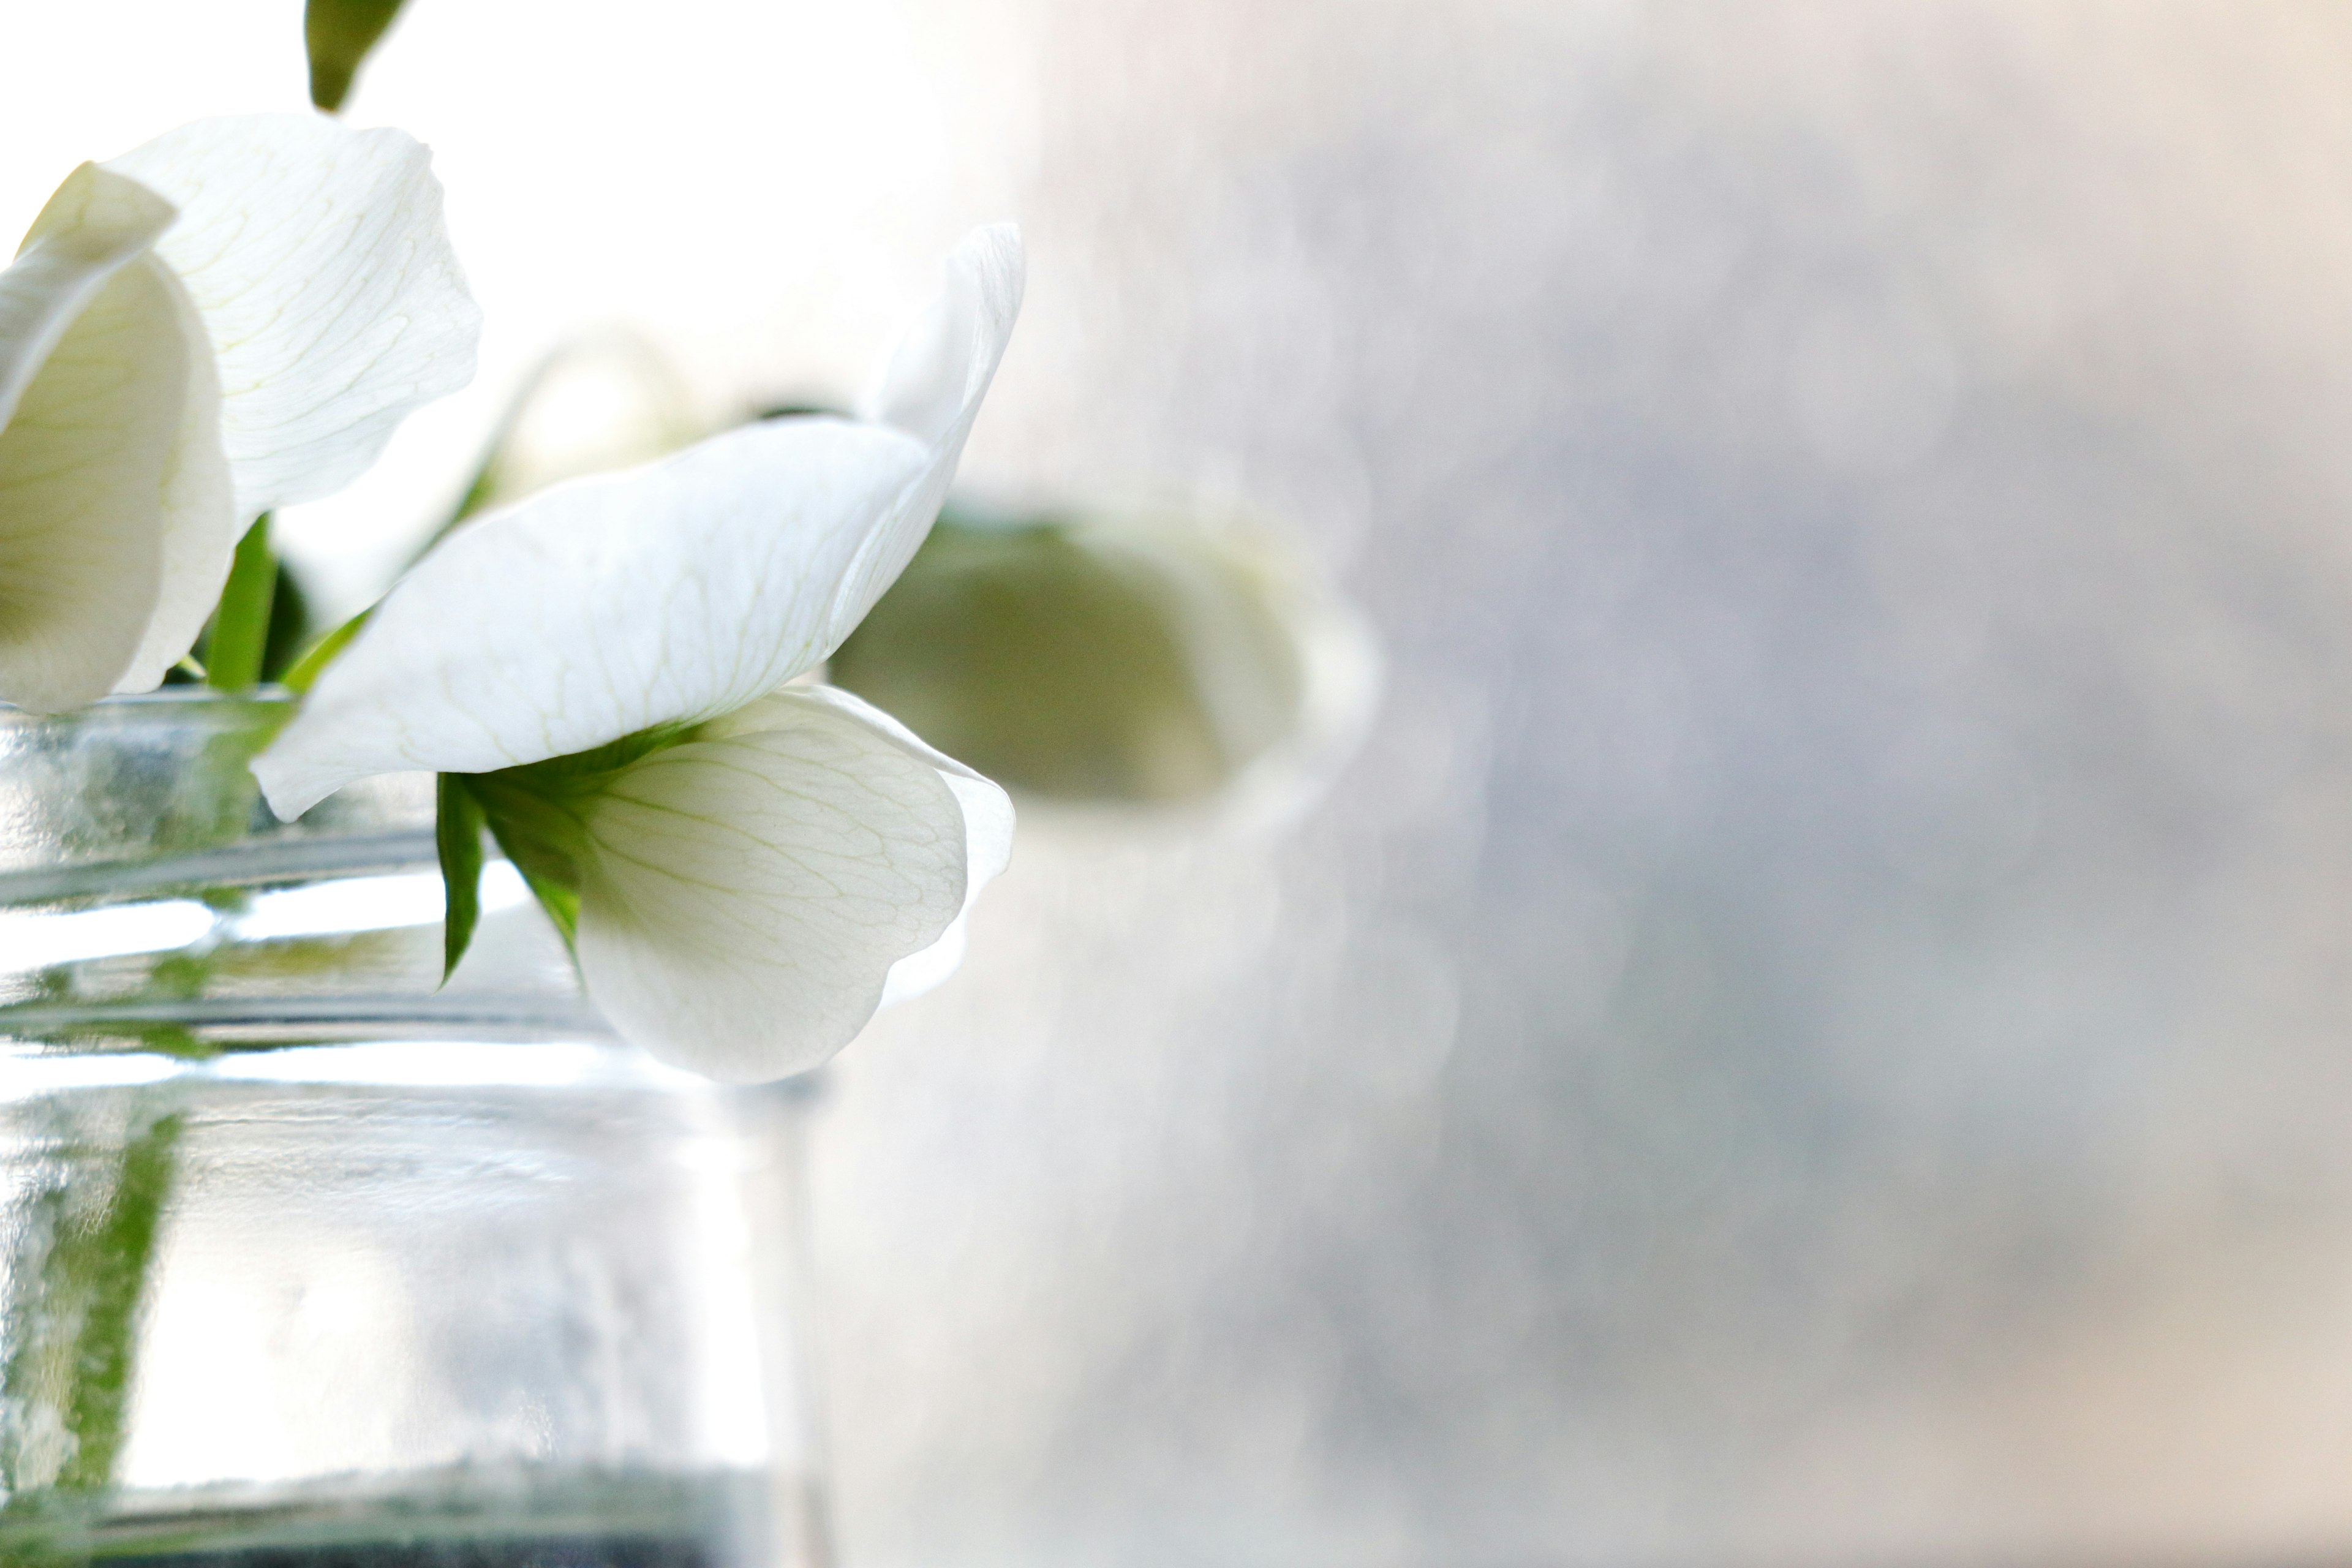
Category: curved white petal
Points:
column 987, row 827
column 674, row 592
column 317, row 256
column 201, row 522
column 677, row 591
column 745, row 895
column 920, row 973
column 96, row 222
column 932, row 388
column 94, row 374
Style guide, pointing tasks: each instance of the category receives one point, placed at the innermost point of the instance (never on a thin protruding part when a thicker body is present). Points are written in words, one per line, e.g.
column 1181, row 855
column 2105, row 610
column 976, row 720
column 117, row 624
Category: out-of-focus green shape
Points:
column 1049, row 668
column 289, row 633
column 338, row 33
column 238, row 641
column 78, row 1278
column 289, row 626
column 1108, row 662
column 303, row 667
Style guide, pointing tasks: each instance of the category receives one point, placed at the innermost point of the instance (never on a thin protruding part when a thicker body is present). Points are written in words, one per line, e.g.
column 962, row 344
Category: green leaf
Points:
column 289, row 632
column 289, row 626
column 340, row 33
column 240, row 633
column 457, row 832
column 536, row 822
column 535, row 813
column 304, row 670
column 562, row 907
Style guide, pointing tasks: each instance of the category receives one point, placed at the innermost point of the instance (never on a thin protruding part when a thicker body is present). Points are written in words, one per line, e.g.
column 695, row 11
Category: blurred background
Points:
column 1816, row 1026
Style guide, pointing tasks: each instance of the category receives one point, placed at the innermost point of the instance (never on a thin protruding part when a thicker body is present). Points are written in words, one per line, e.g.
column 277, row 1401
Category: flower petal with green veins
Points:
column 746, row 895
column 608, row 606
column 317, row 257
column 669, row 594
column 94, row 373
column 987, row 822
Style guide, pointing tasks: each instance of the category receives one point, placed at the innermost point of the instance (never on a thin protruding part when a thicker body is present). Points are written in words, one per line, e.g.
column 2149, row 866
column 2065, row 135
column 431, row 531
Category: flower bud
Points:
column 1128, row 661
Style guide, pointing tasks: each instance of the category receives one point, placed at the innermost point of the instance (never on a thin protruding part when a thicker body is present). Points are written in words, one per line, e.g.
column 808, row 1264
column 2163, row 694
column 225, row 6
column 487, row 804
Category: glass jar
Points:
column 306, row 1256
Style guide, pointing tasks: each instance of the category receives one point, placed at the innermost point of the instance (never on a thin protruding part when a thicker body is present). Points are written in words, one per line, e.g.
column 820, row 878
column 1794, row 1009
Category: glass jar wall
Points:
column 307, row 1257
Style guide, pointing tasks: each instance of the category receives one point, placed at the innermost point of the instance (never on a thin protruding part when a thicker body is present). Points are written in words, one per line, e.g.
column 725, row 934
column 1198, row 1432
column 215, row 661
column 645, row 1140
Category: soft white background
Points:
column 764, row 190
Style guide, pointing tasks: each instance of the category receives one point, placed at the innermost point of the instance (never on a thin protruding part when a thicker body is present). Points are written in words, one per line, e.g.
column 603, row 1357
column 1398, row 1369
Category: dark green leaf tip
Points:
column 457, row 833
column 338, row 33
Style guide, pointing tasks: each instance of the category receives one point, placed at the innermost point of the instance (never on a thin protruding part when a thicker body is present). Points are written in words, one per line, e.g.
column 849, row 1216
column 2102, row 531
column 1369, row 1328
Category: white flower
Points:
column 228, row 320
column 753, row 867
column 1196, row 665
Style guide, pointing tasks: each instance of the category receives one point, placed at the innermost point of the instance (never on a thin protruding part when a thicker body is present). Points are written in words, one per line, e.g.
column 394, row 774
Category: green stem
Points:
column 114, row 1262
column 73, row 1329
column 241, row 624
column 304, row 670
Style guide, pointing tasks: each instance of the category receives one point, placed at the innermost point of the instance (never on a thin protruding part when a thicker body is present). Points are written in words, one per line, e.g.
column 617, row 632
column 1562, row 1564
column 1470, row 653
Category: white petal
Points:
column 932, row 389
column 920, row 973
column 201, row 522
column 94, row 373
column 317, row 256
column 674, row 592
column 677, row 591
column 95, row 223
column 987, row 827
column 745, row 896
